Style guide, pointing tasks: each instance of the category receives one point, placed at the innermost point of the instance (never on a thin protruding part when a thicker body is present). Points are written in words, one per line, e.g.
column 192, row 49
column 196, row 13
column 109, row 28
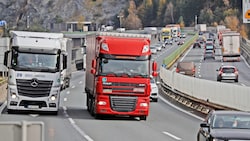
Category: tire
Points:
column 10, row 111
column 155, row 100
column 143, row 118
column 92, row 108
column 88, row 103
column 236, row 80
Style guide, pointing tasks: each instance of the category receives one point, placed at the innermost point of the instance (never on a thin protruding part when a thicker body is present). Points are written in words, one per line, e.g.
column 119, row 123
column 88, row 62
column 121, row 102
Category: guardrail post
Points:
column 24, row 131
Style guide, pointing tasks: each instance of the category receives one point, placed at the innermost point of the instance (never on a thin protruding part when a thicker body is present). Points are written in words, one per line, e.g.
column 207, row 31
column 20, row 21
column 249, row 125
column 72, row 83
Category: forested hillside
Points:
column 134, row 14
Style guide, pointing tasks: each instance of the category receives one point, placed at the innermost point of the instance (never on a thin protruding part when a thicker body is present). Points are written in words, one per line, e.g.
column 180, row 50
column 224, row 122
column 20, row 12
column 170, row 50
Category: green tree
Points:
column 206, row 16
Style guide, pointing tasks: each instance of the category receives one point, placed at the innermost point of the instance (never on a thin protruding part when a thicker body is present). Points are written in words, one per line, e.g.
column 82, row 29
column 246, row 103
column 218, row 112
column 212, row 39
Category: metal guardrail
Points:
column 171, row 59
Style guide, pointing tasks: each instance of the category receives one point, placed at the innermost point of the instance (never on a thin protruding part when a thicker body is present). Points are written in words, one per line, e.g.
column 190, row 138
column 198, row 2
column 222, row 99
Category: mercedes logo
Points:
column 34, row 83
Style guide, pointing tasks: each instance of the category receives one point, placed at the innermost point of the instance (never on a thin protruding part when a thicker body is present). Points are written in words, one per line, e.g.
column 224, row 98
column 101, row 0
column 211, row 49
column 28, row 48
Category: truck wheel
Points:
column 88, row 103
column 143, row 117
column 11, row 111
column 236, row 80
column 92, row 107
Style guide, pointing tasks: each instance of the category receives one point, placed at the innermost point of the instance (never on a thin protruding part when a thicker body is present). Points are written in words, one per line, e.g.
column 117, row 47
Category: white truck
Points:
column 67, row 45
column 231, row 46
column 202, row 27
column 35, row 61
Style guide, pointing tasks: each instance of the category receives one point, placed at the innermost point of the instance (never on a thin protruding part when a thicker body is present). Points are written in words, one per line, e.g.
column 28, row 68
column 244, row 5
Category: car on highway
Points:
column 153, row 49
column 168, row 42
column 209, row 54
column 183, row 35
column 228, row 72
column 210, row 40
column 158, row 46
column 186, row 68
column 197, row 44
column 154, row 90
column 225, row 125
column 180, row 42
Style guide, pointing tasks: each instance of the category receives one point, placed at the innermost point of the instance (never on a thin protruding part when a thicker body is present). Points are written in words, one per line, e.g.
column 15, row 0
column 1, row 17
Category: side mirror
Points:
column 6, row 55
column 93, row 71
column 154, row 66
column 65, row 61
column 93, row 64
column 204, row 125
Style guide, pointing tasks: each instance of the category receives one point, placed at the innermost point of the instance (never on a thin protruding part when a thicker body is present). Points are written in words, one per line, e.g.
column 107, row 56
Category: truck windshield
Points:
column 131, row 68
column 37, row 62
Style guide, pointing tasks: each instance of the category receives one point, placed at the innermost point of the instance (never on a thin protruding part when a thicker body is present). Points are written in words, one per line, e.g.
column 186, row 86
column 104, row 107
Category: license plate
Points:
column 182, row 72
column 33, row 106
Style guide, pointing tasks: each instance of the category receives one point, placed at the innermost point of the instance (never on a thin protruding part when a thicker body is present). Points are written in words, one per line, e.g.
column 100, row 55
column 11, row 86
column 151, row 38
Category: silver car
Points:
column 153, row 49
column 154, row 90
column 228, row 73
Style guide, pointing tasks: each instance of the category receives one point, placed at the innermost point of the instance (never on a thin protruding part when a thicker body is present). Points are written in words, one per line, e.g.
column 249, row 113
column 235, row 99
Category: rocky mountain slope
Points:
column 19, row 13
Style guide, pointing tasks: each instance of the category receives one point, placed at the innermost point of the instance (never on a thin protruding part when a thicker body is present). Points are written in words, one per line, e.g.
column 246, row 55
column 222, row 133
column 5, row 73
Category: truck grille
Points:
column 123, row 104
column 125, row 88
column 33, row 87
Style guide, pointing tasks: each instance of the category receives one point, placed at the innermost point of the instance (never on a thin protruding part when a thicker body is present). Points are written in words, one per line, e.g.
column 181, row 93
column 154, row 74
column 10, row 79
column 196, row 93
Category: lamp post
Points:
column 28, row 22
column 120, row 19
column 195, row 22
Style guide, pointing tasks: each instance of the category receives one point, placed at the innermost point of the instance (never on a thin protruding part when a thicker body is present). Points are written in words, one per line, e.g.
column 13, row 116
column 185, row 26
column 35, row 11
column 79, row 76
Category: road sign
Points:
column 246, row 11
column 22, row 131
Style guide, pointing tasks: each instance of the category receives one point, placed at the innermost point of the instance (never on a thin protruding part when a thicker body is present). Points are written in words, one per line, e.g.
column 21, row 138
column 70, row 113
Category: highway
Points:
column 166, row 121
column 73, row 122
column 206, row 69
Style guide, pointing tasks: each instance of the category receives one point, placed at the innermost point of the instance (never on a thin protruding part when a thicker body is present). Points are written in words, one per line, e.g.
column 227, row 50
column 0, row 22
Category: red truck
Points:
column 118, row 74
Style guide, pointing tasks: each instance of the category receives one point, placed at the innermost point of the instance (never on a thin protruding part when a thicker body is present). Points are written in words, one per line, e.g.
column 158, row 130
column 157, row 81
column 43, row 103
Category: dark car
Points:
column 223, row 125
column 197, row 44
column 228, row 73
column 186, row 68
column 209, row 54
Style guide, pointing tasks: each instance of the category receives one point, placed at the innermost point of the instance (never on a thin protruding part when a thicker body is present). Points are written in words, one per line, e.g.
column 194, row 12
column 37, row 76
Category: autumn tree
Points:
column 132, row 21
column 243, row 31
column 160, row 13
column 80, row 23
column 232, row 22
column 181, row 22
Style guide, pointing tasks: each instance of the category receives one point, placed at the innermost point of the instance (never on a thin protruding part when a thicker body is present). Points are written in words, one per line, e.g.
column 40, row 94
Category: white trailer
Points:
column 67, row 45
column 231, row 46
column 35, row 61
column 202, row 27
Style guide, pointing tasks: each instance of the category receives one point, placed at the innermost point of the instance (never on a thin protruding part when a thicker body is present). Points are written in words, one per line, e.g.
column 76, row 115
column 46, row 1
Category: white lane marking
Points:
column 172, row 105
column 72, row 122
column 65, row 99
column 68, row 92
column 80, row 82
column 245, row 61
column 34, row 115
column 73, row 86
column 171, row 135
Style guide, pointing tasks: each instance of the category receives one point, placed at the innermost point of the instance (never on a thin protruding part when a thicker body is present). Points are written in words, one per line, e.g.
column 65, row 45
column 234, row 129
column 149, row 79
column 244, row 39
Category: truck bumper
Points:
column 50, row 103
column 122, row 105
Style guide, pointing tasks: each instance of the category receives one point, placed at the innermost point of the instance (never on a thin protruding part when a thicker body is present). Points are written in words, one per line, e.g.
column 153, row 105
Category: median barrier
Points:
column 226, row 94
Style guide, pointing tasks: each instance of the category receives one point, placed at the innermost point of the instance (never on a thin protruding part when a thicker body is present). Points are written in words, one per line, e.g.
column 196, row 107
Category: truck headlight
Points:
column 53, row 98
column 102, row 103
column 144, row 104
column 13, row 95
